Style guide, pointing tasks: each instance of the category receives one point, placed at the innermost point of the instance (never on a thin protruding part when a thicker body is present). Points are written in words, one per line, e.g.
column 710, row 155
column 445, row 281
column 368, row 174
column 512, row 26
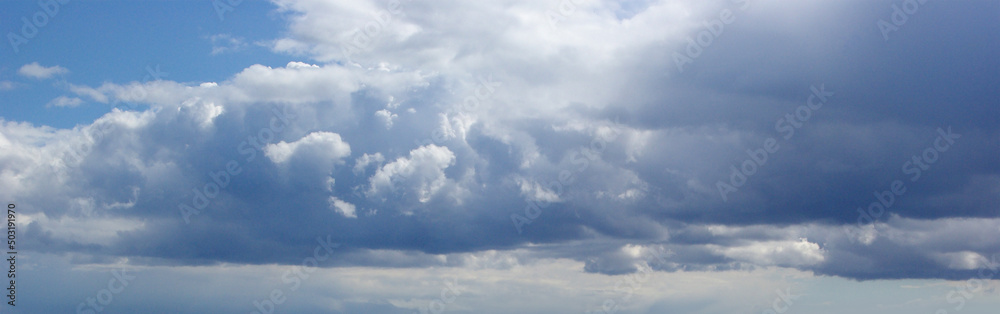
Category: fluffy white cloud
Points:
column 422, row 172
column 342, row 207
column 37, row 71
column 317, row 145
column 365, row 160
column 386, row 117
column 205, row 111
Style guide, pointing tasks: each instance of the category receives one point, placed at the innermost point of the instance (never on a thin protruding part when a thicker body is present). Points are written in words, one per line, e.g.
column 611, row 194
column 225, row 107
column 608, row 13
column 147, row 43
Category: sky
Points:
column 556, row 156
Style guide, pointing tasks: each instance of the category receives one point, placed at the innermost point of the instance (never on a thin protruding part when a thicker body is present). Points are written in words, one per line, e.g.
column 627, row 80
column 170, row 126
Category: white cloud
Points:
column 205, row 111
column 783, row 253
column 36, row 71
column 342, row 207
column 90, row 92
column 367, row 159
column 84, row 230
column 386, row 117
column 423, row 171
column 534, row 191
column 324, row 146
column 63, row 101
column 964, row 260
column 301, row 65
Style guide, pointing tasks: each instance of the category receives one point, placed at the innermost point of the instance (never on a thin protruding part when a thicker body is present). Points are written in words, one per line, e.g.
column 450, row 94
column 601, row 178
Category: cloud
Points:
column 589, row 117
column 38, row 72
column 91, row 93
column 422, row 171
column 387, row 117
column 226, row 43
column 342, row 207
column 365, row 160
column 320, row 146
column 534, row 191
column 63, row 101
column 7, row 85
column 783, row 253
column 374, row 289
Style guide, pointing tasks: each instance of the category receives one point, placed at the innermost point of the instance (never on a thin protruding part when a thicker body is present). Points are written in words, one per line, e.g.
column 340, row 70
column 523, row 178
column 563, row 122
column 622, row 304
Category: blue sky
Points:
column 309, row 156
column 115, row 41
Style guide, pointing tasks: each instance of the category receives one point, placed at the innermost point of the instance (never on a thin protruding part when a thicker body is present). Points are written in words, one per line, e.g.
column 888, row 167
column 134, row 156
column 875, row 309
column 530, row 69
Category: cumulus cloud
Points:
column 422, row 172
column 39, row 72
column 365, row 160
column 317, row 145
column 387, row 117
column 506, row 110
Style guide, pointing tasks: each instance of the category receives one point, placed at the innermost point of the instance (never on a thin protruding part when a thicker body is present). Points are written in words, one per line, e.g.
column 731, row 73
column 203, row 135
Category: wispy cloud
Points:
column 226, row 43
column 63, row 101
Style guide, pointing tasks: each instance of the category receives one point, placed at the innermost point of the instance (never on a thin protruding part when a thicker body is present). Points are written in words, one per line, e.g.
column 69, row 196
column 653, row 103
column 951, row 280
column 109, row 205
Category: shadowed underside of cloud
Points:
column 499, row 129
